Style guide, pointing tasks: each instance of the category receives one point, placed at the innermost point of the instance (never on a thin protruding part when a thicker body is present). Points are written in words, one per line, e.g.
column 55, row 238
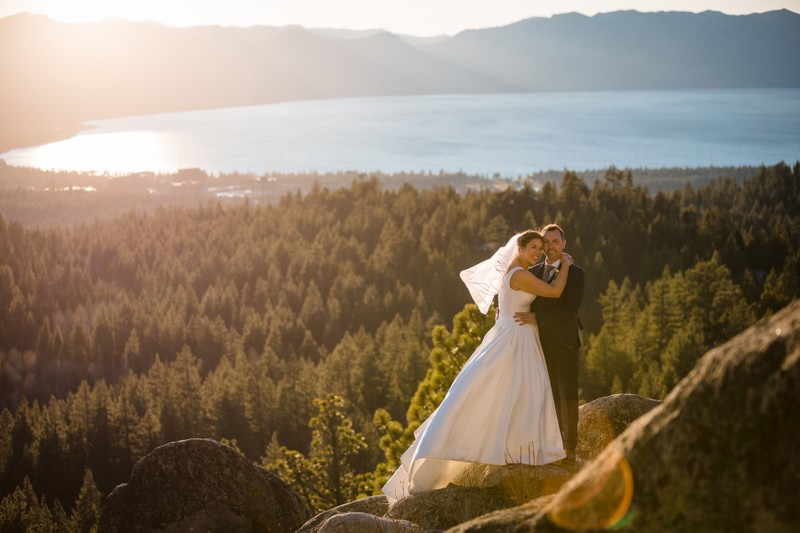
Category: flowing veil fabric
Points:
column 484, row 279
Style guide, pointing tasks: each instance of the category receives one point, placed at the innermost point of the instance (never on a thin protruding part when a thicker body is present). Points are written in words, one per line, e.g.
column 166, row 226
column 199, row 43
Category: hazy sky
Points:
column 415, row 17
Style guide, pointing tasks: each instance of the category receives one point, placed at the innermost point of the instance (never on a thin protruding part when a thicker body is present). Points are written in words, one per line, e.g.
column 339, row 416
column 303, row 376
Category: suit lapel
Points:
column 538, row 270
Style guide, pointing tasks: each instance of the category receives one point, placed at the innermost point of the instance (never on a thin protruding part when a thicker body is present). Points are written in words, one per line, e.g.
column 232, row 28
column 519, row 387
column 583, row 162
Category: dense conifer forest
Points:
column 47, row 198
column 263, row 325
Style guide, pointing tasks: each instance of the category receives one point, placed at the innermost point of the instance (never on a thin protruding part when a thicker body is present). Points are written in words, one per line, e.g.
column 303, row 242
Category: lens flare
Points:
column 601, row 501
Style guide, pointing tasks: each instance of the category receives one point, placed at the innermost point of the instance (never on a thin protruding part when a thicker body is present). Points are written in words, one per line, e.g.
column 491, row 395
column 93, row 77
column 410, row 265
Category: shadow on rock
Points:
column 201, row 485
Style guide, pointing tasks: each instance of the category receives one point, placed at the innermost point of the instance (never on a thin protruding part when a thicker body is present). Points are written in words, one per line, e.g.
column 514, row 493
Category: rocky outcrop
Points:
column 720, row 454
column 494, row 488
column 437, row 510
column 599, row 422
column 604, row 419
column 201, row 485
column 373, row 505
column 366, row 523
column 503, row 487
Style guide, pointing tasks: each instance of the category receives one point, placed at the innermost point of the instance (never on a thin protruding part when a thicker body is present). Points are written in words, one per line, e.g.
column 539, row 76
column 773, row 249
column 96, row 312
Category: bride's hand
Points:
column 525, row 317
column 566, row 260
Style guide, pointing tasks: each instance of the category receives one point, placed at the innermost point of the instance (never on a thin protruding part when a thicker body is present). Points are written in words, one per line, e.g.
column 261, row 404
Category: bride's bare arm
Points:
column 522, row 280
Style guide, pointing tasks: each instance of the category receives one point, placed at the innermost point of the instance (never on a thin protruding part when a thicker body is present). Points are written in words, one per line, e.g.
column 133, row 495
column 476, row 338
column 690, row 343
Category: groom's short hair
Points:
column 553, row 227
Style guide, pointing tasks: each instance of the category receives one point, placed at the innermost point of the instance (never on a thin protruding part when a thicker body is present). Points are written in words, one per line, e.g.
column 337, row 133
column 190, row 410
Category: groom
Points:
column 559, row 333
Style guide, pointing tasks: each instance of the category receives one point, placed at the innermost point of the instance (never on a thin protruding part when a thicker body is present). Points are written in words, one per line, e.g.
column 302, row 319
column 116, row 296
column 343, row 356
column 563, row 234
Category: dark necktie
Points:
column 548, row 272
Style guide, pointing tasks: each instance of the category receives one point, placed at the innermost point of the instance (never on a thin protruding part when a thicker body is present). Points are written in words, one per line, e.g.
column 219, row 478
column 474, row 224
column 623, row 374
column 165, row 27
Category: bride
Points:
column 499, row 410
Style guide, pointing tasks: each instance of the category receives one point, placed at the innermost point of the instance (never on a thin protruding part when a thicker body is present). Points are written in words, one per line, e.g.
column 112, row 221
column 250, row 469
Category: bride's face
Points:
column 531, row 252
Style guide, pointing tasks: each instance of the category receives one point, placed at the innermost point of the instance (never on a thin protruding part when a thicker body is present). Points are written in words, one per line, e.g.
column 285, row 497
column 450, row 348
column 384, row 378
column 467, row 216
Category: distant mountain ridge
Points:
column 58, row 75
column 632, row 50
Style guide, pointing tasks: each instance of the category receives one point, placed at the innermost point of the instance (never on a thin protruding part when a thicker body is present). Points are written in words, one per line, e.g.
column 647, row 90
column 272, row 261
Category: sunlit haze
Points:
column 413, row 17
column 115, row 152
column 193, row 94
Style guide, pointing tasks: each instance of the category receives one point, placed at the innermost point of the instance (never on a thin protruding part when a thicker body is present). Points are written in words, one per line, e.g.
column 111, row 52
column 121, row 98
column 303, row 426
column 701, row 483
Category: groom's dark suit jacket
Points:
column 558, row 317
column 559, row 333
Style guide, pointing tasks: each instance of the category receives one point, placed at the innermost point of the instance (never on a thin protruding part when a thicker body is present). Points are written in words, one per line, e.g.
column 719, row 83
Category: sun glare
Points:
column 95, row 10
column 78, row 11
column 113, row 152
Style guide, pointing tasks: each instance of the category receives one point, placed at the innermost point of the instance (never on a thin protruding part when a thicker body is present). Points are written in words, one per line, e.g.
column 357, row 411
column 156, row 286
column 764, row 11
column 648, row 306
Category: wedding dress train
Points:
column 499, row 410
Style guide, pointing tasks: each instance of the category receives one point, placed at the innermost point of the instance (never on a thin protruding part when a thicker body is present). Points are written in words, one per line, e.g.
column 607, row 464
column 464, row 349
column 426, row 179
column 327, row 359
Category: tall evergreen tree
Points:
column 23, row 510
column 326, row 478
column 88, row 506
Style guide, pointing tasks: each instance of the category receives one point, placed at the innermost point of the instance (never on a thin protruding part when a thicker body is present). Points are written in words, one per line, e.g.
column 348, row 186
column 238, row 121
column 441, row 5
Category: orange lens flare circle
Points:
column 600, row 501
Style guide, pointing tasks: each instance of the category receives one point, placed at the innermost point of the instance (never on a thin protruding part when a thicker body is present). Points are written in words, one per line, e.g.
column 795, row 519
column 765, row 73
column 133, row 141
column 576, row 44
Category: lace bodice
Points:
column 511, row 301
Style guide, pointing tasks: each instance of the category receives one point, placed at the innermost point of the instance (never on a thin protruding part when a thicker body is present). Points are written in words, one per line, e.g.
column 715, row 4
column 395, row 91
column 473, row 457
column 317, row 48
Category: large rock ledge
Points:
column 505, row 487
column 373, row 505
column 201, row 485
column 604, row 419
column 720, row 454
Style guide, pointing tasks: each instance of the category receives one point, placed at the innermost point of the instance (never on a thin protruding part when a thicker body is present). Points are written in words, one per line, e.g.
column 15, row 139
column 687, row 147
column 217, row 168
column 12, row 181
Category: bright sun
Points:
column 92, row 10
column 80, row 11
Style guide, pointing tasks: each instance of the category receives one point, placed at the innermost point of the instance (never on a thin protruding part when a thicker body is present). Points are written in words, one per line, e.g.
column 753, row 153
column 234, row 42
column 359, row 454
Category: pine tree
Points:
column 715, row 302
column 80, row 416
column 312, row 314
column 6, row 432
column 182, row 412
column 610, row 353
column 131, row 354
column 333, row 444
column 259, row 396
column 326, row 477
column 61, row 522
column 88, row 505
column 781, row 286
column 124, row 420
column 22, row 510
column 403, row 353
column 659, row 320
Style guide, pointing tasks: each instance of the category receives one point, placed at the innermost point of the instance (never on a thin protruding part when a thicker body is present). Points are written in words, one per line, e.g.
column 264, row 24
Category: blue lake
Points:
column 506, row 134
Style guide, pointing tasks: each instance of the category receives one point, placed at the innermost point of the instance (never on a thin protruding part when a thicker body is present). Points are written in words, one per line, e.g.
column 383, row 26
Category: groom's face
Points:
column 553, row 245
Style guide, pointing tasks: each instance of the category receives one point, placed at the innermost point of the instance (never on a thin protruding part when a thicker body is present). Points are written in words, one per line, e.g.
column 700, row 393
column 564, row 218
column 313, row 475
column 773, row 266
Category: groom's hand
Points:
column 525, row 317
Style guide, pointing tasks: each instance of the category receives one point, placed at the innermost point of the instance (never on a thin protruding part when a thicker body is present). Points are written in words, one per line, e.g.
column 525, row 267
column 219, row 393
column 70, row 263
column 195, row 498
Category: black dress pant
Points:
column 562, row 366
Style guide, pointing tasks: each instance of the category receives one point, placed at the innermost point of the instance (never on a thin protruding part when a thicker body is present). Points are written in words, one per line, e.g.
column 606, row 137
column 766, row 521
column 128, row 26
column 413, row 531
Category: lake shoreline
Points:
column 28, row 137
column 509, row 135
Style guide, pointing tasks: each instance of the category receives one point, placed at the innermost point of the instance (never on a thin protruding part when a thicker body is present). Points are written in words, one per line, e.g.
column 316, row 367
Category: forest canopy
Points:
column 229, row 321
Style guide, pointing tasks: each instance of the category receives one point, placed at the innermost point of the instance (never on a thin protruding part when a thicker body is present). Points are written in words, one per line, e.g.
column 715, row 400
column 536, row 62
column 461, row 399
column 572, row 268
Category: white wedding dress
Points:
column 498, row 411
